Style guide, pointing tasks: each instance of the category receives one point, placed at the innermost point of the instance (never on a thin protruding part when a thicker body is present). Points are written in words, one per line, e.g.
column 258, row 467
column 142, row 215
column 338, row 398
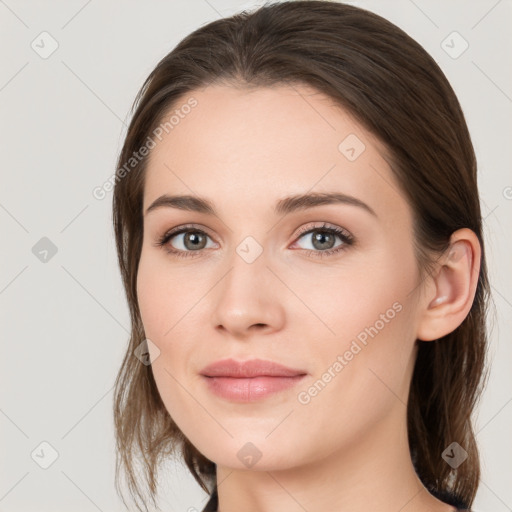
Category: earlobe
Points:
column 455, row 284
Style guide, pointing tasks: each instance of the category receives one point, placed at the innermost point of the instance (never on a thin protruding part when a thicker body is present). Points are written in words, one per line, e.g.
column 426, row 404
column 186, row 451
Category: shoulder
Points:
column 213, row 504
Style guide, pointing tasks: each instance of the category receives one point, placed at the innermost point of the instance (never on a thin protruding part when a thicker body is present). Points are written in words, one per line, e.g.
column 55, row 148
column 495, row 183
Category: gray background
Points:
column 65, row 321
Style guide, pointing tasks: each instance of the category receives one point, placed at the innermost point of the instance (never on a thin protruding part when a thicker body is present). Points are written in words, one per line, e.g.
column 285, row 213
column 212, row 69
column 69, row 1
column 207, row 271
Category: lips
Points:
column 248, row 369
column 248, row 381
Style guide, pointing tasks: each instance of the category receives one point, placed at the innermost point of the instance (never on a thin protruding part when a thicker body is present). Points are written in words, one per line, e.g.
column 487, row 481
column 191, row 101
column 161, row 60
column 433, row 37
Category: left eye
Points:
column 323, row 239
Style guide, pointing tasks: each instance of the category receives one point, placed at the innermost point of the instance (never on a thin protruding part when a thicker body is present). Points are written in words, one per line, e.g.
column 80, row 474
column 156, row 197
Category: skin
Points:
column 345, row 450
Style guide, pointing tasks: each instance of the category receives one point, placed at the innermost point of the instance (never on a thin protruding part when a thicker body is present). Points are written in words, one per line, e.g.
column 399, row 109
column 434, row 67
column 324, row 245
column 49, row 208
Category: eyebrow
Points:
column 282, row 207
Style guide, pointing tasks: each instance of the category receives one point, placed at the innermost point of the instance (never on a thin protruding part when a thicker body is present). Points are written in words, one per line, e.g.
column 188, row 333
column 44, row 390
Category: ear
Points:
column 452, row 287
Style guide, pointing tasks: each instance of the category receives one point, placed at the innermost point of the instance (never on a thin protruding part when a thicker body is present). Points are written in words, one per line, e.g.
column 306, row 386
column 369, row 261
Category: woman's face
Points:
column 275, row 285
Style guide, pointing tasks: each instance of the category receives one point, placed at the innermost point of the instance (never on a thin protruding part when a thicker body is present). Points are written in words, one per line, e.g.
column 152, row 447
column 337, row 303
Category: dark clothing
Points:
column 213, row 502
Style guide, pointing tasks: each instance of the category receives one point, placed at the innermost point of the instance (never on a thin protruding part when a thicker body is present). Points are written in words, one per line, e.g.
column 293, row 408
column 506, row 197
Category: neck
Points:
column 372, row 472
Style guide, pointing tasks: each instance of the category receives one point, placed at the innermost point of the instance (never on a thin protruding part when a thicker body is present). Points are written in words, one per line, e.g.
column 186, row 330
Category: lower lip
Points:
column 249, row 389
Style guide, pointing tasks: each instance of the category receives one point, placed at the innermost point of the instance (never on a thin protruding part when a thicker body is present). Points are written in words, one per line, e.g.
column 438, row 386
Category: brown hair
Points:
column 395, row 89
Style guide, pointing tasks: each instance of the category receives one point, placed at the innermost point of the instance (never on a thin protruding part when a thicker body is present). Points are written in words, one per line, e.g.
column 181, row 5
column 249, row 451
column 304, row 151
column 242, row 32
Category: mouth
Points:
column 248, row 381
column 249, row 389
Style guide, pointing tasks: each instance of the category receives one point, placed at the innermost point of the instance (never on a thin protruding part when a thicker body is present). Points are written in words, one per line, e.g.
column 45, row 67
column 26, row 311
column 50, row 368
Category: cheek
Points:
column 153, row 300
column 158, row 305
column 371, row 316
column 146, row 300
column 349, row 299
column 362, row 378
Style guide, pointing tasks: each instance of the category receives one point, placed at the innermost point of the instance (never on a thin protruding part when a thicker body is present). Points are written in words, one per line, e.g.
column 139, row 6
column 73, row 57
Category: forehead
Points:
column 256, row 145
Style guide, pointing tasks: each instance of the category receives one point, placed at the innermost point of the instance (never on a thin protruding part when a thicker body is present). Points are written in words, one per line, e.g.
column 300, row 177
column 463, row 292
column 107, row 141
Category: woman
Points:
column 300, row 238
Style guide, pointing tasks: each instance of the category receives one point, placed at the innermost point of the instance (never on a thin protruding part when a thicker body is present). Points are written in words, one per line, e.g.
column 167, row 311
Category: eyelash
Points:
column 344, row 235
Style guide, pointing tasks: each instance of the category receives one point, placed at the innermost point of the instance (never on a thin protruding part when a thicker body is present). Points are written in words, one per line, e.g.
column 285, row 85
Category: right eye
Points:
column 191, row 239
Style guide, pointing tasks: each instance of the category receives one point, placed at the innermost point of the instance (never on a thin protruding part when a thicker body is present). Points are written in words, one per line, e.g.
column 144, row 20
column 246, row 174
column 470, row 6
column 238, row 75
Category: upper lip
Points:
column 250, row 368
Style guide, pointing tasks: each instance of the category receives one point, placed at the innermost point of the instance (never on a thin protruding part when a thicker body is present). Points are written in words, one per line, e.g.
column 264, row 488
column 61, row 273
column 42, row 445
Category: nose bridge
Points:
column 246, row 296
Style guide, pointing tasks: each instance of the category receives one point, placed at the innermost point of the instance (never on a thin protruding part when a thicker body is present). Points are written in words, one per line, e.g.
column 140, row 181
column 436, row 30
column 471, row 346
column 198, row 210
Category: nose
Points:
column 248, row 299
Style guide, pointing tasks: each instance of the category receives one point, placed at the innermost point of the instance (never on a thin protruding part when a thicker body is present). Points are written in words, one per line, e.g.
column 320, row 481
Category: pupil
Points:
column 320, row 237
column 194, row 239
